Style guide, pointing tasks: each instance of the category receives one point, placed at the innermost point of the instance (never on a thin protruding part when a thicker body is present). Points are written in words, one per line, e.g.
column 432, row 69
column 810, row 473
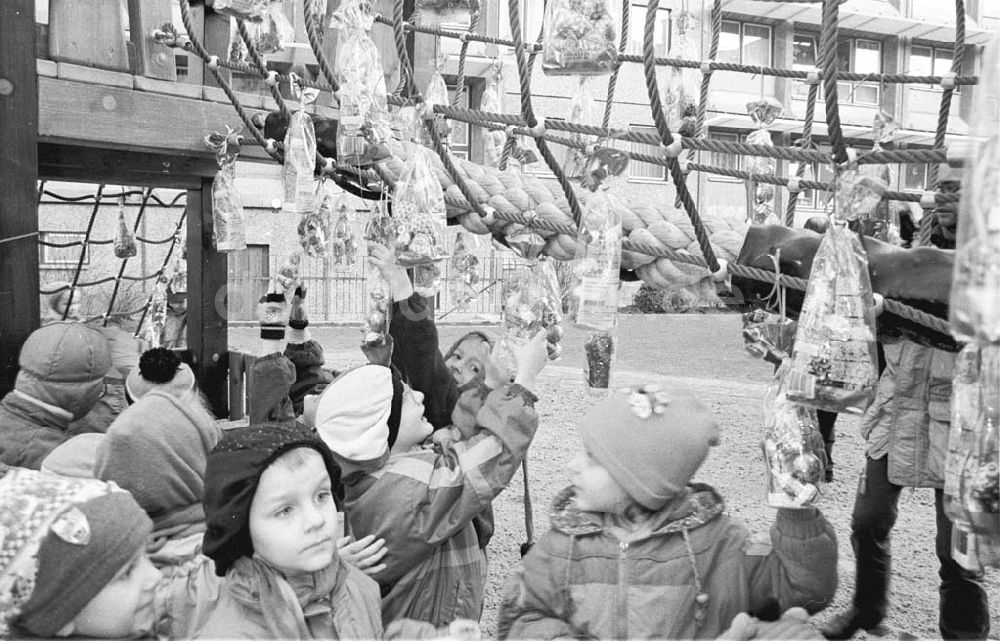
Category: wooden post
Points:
column 87, row 33
column 216, row 41
column 208, row 339
column 19, row 313
column 151, row 60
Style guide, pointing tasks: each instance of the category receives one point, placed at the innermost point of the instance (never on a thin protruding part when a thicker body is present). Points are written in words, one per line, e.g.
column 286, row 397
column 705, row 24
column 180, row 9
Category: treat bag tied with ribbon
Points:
column 229, row 221
column 363, row 132
column 581, row 111
column 965, row 410
column 974, row 307
column 300, row 164
column 379, row 230
column 878, row 222
column 494, row 140
column 974, row 552
column 833, row 364
column 763, row 112
column 157, row 317
column 794, row 457
column 684, row 85
column 581, row 38
column 344, row 241
column 464, row 273
column 273, row 31
column 419, row 212
column 437, row 94
column 979, row 485
column 764, row 332
column 597, row 264
column 315, row 225
column 124, row 238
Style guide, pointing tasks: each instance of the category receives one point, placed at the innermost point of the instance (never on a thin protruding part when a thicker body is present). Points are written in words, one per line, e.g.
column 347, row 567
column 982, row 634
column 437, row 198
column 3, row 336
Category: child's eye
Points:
column 323, row 496
column 285, row 511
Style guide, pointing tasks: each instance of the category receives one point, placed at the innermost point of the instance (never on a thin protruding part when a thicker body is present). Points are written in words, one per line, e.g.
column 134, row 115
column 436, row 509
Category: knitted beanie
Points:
column 76, row 457
column 157, row 449
column 357, row 415
column 64, row 364
column 234, row 470
column 159, row 368
column 651, row 442
column 62, row 541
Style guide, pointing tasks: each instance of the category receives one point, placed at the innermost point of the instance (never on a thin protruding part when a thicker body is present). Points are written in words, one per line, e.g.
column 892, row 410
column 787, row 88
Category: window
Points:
column 461, row 132
column 723, row 160
column 745, row 43
column 637, row 27
column 813, row 198
column 914, row 177
column 644, row 170
column 804, row 57
column 930, row 61
column 859, row 56
column 59, row 256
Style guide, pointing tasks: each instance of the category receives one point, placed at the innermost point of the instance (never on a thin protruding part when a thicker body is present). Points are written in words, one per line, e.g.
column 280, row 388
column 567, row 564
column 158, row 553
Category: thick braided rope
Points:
column 706, row 74
column 806, row 142
column 524, row 75
column 315, row 35
column 456, row 101
column 613, row 80
column 121, row 269
column 83, row 251
column 828, row 46
column 666, row 138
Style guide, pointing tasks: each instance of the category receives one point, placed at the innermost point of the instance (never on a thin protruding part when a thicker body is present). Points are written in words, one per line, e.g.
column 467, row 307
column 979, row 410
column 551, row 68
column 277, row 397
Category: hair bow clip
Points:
column 647, row 400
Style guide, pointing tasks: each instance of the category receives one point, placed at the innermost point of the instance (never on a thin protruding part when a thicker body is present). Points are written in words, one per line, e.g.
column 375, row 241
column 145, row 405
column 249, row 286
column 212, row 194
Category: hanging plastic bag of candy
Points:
column 250, row 10
column 597, row 263
column 344, row 241
column 464, row 273
column 229, row 224
column 178, row 273
column 157, row 314
column 965, row 409
column 763, row 113
column 580, row 38
column 380, row 230
column 581, row 112
column 437, row 94
column 767, row 335
column 974, row 552
column 300, row 163
column 833, row 363
column 288, row 274
column 363, row 133
column 445, row 12
column 419, row 210
column 124, row 237
column 795, row 460
column 979, row 484
column 878, row 223
column 683, row 87
column 494, row 140
column 974, row 308
column 273, row 31
column 315, row 226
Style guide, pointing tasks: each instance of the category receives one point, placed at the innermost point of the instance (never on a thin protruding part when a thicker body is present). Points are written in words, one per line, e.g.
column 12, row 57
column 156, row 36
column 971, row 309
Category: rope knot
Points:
column 674, row 148
column 948, row 80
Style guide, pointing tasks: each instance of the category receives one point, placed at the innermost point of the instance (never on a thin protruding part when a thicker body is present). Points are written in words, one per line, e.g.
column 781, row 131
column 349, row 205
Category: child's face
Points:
column 293, row 520
column 467, row 362
column 595, row 490
column 413, row 426
column 124, row 608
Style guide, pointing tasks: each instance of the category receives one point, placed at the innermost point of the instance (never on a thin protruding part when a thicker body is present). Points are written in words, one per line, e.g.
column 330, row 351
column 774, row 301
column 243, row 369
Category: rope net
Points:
column 666, row 247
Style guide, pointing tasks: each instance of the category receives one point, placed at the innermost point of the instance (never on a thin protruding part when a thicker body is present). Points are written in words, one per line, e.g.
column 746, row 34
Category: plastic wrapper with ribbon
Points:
column 833, row 364
column 157, row 314
column 763, row 112
column 581, row 112
column 315, row 226
column 124, row 238
column 979, row 484
column 300, row 165
column 531, row 299
column 580, row 38
column 464, row 273
column 684, row 84
column 229, row 222
column 363, row 134
column 965, row 409
column 272, row 31
column 437, row 94
column 178, row 272
column 494, row 140
column 251, row 10
column 380, row 230
column 597, row 264
column 419, row 210
column 794, row 457
column 344, row 241
column 878, row 222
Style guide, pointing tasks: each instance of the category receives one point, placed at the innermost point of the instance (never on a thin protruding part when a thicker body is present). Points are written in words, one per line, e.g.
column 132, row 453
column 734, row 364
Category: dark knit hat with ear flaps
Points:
column 650, row 441
column 234, row 470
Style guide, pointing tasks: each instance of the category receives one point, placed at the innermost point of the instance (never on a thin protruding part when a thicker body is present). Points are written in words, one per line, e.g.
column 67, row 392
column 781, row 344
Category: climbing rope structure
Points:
column 664, row 246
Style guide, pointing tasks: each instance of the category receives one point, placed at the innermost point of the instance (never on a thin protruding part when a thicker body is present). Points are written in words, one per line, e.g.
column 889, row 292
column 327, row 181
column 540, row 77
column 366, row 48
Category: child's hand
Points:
column 364, row 553
column 384, row 259
column 531, row 359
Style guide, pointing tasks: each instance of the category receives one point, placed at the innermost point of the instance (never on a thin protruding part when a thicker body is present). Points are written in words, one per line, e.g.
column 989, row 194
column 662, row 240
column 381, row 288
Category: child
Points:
column 72, row 559
column 423, row 502
column 636, row 552
column 159, row 369
column 272, row 530
column 305, row 354
column 61, row 379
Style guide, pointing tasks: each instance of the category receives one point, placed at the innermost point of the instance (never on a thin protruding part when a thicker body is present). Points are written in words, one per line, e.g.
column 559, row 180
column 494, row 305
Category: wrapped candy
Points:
column 124, row 238
column 314, row 226
column 763, row 113
column 974, row 552
column 965, row 409
column 597, row 263
column 229, row 224
column 492, row 101
column 581, row 112
column 157, row 315
column 683, row 86
column 979, row 484
column 580, row 38
column 419, row 210
column 464, row 272
column 288, row 273
column 380, row 230
column 833, row 364
column 793, row 451
column 300, row 165
column 765, row 332
column 859, row 191
column 344, row 242
column 878, row 222
column 251, row 10
column 273, row 31
column 363, row 133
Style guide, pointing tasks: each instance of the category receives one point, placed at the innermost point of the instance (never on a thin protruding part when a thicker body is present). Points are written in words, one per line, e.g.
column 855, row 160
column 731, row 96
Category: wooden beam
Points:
column 151, row 60
column 93, row 164
column 99, row 116
column 87, row 33
column 207, row 328
column 19, row 313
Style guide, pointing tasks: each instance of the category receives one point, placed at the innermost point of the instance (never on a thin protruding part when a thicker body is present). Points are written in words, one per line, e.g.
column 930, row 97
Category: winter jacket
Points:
column 687, row 578
column 29, row 430
column 337, row 603
column 910, row 418
column 271, row 377
column 417, row 356
column 423, row 504
column 310, row 377
column 189, row 589
column 108, row 407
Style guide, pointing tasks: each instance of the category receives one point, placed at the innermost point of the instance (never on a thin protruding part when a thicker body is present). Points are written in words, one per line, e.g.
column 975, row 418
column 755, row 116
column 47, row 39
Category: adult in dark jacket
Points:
column 61, row 379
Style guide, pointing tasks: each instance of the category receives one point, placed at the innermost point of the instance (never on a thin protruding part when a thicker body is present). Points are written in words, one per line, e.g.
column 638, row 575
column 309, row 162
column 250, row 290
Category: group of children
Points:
column 163, row 524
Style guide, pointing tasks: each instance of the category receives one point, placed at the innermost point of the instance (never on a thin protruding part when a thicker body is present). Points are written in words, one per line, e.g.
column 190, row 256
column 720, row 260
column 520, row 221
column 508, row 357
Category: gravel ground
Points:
column 703, row 353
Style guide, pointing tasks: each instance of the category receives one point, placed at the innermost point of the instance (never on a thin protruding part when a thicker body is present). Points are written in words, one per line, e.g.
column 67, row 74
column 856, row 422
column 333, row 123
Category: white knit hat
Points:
column 352, row 416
